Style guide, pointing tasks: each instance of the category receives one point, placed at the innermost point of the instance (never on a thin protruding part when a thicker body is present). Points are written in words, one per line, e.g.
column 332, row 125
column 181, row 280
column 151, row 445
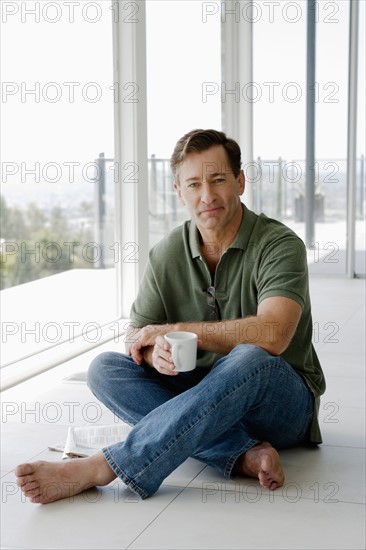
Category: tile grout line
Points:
column 165, row 507
column 278, row 496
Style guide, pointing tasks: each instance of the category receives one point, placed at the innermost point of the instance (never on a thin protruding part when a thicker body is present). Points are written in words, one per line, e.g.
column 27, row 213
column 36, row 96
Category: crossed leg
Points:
column 45, row 482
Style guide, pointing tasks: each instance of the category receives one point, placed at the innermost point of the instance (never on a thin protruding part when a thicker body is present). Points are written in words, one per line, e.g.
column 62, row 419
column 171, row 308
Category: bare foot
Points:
column 263, row 462
column 44, row 482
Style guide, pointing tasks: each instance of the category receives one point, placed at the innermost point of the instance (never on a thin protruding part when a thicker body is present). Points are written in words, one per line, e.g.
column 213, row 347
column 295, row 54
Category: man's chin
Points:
column 210, row 223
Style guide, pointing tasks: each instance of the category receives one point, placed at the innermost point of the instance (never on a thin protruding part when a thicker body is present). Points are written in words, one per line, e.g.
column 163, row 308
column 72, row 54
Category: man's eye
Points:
column 219, row 180
column 193, row 185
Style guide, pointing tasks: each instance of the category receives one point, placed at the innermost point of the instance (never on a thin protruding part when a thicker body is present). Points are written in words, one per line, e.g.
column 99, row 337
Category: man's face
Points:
column 209, row 189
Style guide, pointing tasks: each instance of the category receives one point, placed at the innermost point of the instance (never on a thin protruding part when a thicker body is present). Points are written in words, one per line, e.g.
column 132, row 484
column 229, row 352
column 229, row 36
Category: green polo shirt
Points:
column 266, row 259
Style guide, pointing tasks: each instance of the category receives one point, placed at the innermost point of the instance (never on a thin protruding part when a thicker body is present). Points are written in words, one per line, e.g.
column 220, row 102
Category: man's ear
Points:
column 241, row 181
column 179, row 192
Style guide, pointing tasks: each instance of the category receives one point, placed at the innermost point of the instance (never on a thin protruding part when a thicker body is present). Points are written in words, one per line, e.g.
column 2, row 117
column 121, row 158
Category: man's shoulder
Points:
column 271, row 229
column 172, row 245
column 271, row 238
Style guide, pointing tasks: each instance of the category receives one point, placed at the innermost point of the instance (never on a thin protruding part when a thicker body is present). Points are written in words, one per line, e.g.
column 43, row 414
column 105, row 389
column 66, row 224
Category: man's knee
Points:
column 250, row 353
column 246, row 357
column 98, row 367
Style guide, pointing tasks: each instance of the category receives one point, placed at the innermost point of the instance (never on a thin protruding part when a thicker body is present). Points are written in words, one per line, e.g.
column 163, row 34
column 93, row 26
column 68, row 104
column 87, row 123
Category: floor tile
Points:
column 109, row 517
column 345, row 392
column 342, row 426
column 186, row 473
column 24, row 442
column 318, row 474
column 219, row 520
column 318, row 507
column 342, row 363
column 67, row 404
column 332, row 313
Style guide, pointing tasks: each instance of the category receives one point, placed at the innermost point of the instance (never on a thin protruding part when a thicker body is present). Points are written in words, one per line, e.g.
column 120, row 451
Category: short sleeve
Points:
column 282, row 269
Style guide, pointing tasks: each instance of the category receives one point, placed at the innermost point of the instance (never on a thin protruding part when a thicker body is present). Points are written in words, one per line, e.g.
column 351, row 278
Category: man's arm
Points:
column 132, row 337
column 271, row 329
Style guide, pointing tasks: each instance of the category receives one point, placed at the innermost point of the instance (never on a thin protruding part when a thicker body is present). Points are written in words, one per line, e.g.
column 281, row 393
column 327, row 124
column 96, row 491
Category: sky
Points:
column 187, row 54
column 69, row 119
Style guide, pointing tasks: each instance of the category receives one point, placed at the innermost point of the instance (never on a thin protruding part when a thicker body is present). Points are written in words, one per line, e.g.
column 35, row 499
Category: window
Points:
column 57, row 234
column 280, row 51
column 184, row 76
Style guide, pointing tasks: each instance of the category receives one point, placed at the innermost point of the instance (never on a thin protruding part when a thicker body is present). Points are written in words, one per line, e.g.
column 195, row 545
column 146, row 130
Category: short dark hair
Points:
column 197, row 141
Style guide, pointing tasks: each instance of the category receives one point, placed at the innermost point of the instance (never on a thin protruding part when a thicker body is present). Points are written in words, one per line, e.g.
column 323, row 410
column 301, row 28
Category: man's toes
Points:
column 37, row 499
column 32, row 493
column 28, row 487
column 23, row 480
column 23, row 470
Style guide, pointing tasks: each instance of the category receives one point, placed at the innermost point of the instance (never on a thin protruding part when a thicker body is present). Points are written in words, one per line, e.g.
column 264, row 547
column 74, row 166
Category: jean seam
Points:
column 209, row 411
column 230, row 463
column 212, row 407
column 122, row 474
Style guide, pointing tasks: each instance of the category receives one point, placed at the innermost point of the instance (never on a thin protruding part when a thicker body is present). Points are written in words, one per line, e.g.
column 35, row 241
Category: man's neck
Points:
column 222, row 236
column 216, row 241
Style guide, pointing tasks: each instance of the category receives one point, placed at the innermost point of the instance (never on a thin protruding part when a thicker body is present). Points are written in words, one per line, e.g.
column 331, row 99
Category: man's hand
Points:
column 162, row 359
column 148, row 344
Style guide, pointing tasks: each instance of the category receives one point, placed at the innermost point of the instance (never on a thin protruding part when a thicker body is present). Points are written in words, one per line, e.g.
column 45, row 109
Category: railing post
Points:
column 279, row 190
column 153, row 185
column 99, row 193
column 258, row 197
column 310, row 126
column 362, row 176
column 174, row 196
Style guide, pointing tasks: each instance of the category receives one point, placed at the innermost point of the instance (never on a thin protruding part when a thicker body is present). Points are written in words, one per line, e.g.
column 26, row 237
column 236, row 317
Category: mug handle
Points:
column 175, row 355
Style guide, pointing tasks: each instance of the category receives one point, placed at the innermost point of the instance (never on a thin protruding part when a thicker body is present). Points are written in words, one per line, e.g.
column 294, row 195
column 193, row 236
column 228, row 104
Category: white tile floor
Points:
column 321, row 505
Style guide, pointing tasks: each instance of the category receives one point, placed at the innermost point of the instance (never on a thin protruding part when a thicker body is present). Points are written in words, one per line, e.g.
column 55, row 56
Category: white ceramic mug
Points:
column 183, row 347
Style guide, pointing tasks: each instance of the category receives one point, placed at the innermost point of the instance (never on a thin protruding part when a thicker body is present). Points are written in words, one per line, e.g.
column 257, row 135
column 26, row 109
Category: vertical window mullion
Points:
column 237, row 72
column 131, row 173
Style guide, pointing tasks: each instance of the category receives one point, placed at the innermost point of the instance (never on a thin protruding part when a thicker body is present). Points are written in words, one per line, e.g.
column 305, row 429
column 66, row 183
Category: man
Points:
column 239, row 281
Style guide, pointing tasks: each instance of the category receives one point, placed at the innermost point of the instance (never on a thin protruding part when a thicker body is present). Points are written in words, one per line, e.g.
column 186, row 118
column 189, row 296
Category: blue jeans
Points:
column 213, row 415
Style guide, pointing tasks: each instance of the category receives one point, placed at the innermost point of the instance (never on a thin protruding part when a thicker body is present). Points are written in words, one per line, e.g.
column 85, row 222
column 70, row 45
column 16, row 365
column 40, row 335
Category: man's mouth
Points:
column 211, row 210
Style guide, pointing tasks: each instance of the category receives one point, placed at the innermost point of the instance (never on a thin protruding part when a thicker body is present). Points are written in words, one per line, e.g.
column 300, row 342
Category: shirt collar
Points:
column 242, row 237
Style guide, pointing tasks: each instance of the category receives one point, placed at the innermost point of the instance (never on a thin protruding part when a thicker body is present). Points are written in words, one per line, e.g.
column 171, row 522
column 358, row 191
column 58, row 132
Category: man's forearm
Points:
column 147, row 355
column 222, row 336
column 272, row 329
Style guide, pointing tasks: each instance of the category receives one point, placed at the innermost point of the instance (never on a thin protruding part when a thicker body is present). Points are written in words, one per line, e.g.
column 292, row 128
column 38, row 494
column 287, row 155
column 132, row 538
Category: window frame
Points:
column 131, row 194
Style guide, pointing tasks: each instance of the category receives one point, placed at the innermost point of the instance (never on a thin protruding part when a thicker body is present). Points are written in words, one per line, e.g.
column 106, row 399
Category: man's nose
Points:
column 207, row 195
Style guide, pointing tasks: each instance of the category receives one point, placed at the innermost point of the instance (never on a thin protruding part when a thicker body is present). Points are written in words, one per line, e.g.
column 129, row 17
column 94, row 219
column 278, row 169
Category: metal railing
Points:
column 278, row 189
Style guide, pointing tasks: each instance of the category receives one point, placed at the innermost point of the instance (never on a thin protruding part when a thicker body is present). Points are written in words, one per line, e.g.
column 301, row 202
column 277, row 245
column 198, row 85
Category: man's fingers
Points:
column 162, row 343
column 166, row 355
column 167, row 371
column 135, row 352
column 162, row 360
column 162, row 349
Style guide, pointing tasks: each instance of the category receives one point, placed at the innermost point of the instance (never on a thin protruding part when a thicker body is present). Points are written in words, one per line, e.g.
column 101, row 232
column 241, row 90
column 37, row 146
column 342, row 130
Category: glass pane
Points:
column 279, row 62
column 184, row 75
column 329, row 255
column 280, row 123
column 57, row 239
